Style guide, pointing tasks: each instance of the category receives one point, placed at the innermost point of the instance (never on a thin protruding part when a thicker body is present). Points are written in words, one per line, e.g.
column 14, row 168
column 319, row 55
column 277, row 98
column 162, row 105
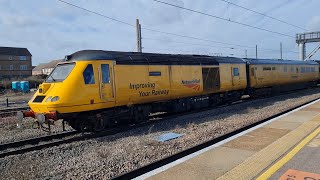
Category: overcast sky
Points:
column 51, row 29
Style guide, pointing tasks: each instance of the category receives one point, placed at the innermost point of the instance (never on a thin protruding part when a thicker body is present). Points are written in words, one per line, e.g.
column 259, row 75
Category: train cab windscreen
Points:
column 60, row 72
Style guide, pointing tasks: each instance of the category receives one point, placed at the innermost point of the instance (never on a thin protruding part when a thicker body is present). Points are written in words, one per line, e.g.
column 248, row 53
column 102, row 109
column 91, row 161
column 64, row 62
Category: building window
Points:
column 88, row 75
column 267, row 68
column 11, row 67
column 23, row 58
column 285, row 69
column 10, row 57
column 23, row 67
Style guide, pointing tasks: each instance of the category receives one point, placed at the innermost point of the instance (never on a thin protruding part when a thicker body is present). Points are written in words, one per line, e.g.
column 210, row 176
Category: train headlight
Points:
column 55, row 98
column 49, row 99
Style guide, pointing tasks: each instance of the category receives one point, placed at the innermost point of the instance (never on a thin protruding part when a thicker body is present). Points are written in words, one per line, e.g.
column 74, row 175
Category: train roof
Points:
column 136, row 58
column 279, row 61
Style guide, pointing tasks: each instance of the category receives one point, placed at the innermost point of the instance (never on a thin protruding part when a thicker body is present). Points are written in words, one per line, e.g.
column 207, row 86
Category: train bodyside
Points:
column 319, row 71
column 282, row 73
column 138, row 84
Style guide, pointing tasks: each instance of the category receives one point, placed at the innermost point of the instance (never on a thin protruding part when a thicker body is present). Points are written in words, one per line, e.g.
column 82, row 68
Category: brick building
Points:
column 15, row 62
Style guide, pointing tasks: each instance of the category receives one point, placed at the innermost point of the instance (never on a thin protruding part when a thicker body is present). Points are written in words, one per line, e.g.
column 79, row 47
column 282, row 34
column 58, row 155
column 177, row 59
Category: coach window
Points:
column 105, row 73
column 308, row 69
column 88, row 75
column 267, row 68
column 235, row 71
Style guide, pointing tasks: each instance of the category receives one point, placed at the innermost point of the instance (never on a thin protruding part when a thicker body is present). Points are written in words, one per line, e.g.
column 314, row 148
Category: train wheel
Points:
column 99, row 124
column 75, row 124
column 141, row 114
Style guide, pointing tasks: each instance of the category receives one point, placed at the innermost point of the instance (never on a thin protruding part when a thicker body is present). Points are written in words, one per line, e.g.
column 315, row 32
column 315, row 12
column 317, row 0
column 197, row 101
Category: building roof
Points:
column 53, row 63
column 39, row 67
column 50, row 64
column 136, row 58
column 14, row 51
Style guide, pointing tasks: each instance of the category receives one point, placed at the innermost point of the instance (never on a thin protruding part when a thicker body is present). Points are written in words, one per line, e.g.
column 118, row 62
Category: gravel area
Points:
column 103, row 158
column 15, row 99
column 9, row 131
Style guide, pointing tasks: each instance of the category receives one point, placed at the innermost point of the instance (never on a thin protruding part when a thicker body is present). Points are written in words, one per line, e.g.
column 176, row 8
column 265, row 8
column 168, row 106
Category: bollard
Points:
column 7, row 102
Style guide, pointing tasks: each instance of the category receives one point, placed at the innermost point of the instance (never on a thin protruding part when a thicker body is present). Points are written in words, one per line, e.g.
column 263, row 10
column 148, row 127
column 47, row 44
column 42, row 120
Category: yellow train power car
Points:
column 94, row 89
column 99, row 88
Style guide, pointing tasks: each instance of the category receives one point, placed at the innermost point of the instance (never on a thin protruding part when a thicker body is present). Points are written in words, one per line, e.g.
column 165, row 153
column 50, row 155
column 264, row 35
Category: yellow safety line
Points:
column 267, row 174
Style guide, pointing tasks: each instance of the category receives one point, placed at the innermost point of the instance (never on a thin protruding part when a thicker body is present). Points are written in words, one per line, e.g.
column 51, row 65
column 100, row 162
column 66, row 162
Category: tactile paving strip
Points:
column 255, row 164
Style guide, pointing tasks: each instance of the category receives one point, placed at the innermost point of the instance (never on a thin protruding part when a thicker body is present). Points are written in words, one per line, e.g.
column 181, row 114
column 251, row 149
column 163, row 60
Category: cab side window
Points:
column 88, row 75
column 105, row 73
column 235, row 71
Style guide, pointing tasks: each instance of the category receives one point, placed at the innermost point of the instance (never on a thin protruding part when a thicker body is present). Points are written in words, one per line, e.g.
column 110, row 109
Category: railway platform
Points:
column 286, row 147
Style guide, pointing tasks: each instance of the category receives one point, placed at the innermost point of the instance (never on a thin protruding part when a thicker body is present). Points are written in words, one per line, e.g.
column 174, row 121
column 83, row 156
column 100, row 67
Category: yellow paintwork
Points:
column 262, row 78
column 131, row 84
column 230, row 82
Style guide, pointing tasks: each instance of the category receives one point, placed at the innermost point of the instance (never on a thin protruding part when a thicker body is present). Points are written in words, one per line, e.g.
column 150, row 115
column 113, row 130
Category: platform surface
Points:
column 285, row 147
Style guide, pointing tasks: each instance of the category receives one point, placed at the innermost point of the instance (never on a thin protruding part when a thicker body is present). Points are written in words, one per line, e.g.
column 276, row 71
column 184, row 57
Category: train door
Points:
column 253, row 75
column 235, row 74
column 106, row 82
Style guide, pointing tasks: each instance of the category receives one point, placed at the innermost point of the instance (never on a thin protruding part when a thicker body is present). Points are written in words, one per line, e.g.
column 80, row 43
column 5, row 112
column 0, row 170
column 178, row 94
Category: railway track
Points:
column 23, row 146
column 149, row 167
column 11, row 111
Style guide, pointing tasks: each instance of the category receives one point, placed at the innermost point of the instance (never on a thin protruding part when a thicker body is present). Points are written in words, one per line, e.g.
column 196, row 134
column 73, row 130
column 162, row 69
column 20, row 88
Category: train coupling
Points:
column 40, row 117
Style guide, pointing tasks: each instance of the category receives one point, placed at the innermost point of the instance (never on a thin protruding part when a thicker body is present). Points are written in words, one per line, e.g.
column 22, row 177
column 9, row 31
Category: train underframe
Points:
column 107, row 118
column 99, row 120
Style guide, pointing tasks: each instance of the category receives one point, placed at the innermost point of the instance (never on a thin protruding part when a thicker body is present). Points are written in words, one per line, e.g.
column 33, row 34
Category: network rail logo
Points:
column 193, row 84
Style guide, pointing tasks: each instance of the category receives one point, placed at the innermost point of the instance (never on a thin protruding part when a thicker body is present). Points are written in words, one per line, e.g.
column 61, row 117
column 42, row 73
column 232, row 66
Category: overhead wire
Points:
column 99, row 14
column 208, row 45
column 153, row 30
column 224, row 19
column 262, row 14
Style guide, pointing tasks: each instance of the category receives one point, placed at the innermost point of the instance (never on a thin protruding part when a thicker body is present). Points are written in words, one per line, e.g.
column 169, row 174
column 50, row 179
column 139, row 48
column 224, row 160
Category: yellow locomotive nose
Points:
column 43, row 88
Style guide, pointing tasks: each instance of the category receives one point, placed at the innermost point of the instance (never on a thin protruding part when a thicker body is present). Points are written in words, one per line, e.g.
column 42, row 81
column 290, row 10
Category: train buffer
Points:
column 286, row 147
